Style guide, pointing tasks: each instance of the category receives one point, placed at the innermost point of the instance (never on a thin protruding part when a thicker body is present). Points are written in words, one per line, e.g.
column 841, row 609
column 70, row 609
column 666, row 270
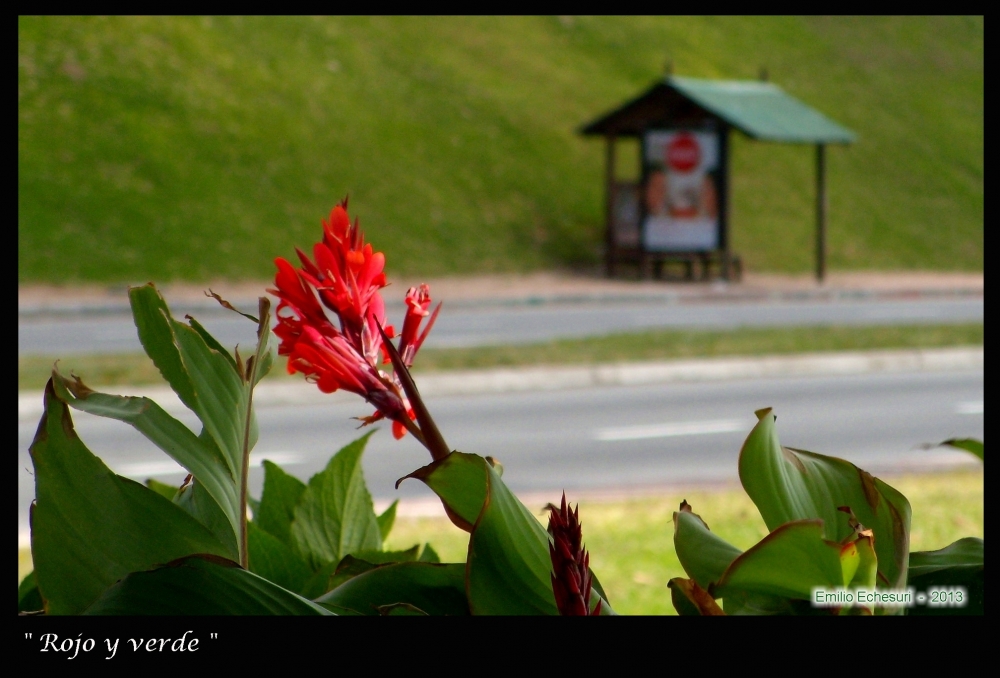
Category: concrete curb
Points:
column 529, row 379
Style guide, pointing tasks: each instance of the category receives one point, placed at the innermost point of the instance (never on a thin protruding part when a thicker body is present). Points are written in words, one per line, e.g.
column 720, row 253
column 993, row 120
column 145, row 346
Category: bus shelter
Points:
column 678, row 211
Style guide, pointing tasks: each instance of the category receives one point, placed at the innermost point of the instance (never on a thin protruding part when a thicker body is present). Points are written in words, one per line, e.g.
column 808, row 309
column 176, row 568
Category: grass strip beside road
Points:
column 137, row 370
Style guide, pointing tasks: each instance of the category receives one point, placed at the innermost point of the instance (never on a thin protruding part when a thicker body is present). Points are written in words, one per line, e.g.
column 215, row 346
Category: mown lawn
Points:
column 200, row 148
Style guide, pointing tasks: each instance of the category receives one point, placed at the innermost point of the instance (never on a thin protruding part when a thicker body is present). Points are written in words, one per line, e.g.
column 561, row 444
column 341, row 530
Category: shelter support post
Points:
column 820, row 213
column 611, row 255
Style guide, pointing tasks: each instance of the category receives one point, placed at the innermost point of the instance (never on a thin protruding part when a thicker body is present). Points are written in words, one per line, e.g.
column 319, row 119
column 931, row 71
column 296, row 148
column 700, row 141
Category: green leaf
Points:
column 958, row 564
column 335, row 515
column 508, row 566
column 966, row 553
column 460, row 482
column 153, row 323
column 222, row 400
column 386, row 520
column 332, row 575
column 691, row 600
column 745, row 603
column 429, row 555
column 212, row 342
column 91, row 527
column 199, row 586
column 195, row 499
column 432, row 588
column 790, row 562
column 199, row 455
column 968, row 444
column 276, row 561
column 702, row 554
column 792, row 485
column 282, row 493
column 28, row 597
column 209, row 381
column 866, row 574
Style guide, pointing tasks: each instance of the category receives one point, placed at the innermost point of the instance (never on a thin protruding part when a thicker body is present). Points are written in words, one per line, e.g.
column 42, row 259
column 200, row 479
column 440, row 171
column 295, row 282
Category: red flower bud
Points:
column 571, row 578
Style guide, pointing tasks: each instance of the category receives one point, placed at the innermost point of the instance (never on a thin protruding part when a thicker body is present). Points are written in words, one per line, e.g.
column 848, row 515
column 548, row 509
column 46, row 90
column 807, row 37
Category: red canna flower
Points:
column 345, row 276
column 571, row 578
column 418, row 300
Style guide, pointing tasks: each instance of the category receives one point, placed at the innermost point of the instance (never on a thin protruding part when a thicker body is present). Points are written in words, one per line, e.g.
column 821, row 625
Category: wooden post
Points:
column 722, row 210
column 820, row 214
column 611, row 254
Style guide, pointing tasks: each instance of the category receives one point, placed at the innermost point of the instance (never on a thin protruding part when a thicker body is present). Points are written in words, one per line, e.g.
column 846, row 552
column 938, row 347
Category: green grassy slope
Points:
column 195, row 148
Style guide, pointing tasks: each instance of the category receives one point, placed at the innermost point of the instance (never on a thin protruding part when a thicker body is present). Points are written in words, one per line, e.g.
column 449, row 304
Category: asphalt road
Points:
column 498, row 325
column 609, row 438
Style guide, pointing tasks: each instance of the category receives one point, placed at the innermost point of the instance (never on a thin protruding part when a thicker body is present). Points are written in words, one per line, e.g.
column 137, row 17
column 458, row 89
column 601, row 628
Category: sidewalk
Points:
column 533, row 289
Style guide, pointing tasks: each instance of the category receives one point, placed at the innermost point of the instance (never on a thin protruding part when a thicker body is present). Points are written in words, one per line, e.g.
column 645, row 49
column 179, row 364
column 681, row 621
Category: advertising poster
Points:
column 681, row 169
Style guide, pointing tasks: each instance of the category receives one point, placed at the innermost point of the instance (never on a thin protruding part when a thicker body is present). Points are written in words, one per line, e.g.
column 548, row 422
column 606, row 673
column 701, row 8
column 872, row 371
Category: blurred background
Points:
column 200, row 148
column 193, row 151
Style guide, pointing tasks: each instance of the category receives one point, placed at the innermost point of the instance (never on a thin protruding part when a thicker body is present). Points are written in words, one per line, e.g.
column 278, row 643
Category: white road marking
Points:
column 969, row 407
column 688, row 428
column 167, row 467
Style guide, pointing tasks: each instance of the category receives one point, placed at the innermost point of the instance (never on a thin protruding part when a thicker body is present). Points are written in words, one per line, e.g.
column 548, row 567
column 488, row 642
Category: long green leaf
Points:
column 691, row 600
column 790, row 562
column 746, row 603
column 222, row 398
column 209, row 381
column 702, row 554
column 790, row 485
column 958, row 564
column 198, row 586
column 335, row 516
column 199, row 455
column 965, row 553
column 968, row 444
column 508, row 566
column 90, row 527
column 432, row 588
column 154, row 325
column 866, row 574
column 194, row 499
column 28, row 597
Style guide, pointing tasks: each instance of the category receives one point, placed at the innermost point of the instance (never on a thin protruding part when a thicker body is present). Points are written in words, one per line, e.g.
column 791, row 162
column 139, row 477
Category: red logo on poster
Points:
column 683, row 152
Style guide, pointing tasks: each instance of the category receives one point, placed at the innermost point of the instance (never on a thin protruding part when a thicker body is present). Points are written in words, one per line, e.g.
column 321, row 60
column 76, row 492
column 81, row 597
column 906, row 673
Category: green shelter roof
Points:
column 761, row 110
